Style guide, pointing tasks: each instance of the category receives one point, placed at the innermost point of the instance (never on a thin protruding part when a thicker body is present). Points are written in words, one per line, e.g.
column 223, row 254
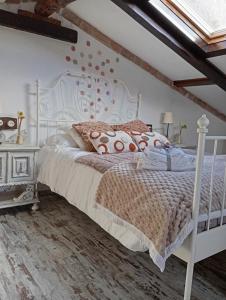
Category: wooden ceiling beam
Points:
column 108, row 42
column 46, row 8
column 193, row 82
column 156, row 23
column 217, row 49
column 29, row 24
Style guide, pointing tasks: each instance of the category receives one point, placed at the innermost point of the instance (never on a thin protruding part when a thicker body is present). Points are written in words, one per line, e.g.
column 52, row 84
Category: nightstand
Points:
column 18, row 173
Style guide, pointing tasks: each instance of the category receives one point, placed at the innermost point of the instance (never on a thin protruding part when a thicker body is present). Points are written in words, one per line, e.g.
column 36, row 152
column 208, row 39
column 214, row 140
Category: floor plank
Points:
column 59, row 253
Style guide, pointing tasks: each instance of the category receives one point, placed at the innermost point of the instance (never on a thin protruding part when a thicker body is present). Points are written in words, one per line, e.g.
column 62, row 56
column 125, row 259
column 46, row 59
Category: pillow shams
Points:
column 149, row 139
column 61, row 140
column 112, row 142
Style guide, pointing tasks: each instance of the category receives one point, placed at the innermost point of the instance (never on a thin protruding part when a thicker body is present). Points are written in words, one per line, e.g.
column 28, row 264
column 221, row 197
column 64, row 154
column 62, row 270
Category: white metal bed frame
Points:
column 197, row 246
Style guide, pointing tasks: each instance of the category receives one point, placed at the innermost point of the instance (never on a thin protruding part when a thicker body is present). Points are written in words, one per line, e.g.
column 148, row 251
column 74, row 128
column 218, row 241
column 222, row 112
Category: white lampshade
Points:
column 168, row 118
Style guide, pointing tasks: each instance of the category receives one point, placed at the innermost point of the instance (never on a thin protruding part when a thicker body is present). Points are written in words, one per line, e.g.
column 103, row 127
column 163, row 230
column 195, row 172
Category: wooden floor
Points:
column 59, row 253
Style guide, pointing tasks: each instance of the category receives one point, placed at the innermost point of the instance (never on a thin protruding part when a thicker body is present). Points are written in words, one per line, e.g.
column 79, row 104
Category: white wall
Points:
column 26, row 57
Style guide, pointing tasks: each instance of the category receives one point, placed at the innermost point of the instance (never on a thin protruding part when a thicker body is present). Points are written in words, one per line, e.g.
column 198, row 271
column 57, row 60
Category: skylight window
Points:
column 207, row 18
column 208, row 14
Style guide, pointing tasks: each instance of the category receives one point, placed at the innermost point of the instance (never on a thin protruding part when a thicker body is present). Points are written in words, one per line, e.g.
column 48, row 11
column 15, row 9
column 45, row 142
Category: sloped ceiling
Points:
column 112, row 21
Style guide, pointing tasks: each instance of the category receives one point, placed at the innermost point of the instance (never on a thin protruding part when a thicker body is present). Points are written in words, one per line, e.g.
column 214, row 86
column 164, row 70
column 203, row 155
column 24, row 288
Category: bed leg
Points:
column 188, row 282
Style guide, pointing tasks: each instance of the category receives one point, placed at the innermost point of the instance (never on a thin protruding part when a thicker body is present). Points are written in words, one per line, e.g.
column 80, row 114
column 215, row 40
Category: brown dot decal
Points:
column 117, row 59
column 88, row 44
column 99, row 52
column 102, row 73
column 90, row 64
column 91, row 103
column 108, row 61
column 119, row 146
column 104, row 139
column 99, row 99
column 85, row 110
column 73, row 48
column 132, row 147
column 111, row 70
column 82, row 93
column 106, row 109
column 68, row 58
column 115, row 81
column 90, row 56
column 75, row 62
column 82, row 54
column 89, row 86
column 92, row 117
column 98, row 91
column 83, row 68
column 103, row 64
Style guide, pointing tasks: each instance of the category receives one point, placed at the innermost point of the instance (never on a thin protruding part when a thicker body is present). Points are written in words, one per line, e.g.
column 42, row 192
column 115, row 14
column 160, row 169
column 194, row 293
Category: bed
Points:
column 80, row 182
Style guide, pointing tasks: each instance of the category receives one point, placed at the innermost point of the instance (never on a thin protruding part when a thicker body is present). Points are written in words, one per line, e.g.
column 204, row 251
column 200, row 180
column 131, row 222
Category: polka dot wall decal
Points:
column 99, row 99
column 90, row 56
column 117, row 59
column 98, row 91
column 92, row 117
column 106, row 109
column 90, row 65
column 82, row 54
column 91, row 103
column 115, row 81
column 111, row 70
column 106, row 84
column 73, row 48
column 99, row 52
column 107, row 93
column 102, row 73
column 98, row 80
column 113, row 101
column 85, row 110
column 108, row 61
column 75, row 62
column 89, row 86
column 82, row 93
column 103, row 64
column 97, row 68
column 77, row 83
column 68, row 58
column 83, row 68
column 88, row 43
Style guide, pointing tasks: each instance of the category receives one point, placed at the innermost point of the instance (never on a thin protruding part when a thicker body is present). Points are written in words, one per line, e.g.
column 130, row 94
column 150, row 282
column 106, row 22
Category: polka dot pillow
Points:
column 149, row 139
column 112, row 142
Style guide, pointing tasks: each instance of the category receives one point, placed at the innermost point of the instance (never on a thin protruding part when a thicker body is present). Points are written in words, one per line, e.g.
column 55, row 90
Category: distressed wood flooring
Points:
column 59, row 253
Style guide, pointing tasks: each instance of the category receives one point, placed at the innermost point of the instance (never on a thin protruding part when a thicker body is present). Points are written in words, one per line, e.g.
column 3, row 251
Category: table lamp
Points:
column 167, row 119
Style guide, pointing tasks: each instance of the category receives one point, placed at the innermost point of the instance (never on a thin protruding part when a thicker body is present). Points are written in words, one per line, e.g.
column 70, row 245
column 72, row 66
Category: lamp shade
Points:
column 167, row 118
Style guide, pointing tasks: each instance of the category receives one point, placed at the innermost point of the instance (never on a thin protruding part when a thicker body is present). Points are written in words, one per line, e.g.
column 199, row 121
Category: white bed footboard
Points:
column 212, row 240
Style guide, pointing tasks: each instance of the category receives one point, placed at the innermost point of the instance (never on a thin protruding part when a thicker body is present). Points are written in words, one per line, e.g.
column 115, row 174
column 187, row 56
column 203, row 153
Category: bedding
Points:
column 135, row 125
column 84, row 129
column 62, row 139
column 148, row 140
column 112, row 142
column 80, row 175
column 77, row 138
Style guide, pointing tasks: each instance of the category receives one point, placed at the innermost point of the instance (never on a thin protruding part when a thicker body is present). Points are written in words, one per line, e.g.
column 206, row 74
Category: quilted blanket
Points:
column 157, row 205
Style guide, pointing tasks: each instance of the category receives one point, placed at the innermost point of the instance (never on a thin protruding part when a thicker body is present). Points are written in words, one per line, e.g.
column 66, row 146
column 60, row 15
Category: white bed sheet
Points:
column 78, row 184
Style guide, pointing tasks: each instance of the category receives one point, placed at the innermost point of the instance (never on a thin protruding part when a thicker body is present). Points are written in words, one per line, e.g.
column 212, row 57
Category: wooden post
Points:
column 203, row 123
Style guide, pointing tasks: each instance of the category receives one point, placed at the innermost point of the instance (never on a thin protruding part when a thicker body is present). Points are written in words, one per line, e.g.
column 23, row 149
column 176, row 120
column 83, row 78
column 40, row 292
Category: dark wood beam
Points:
column 193, row 82
column 217, row 49
column 108, row 42
column 156, row 23
column 46, row 8
column 26, row 23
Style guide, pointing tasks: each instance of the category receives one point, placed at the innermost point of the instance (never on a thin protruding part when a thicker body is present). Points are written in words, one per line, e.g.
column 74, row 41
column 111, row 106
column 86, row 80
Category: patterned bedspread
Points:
column 156, row 205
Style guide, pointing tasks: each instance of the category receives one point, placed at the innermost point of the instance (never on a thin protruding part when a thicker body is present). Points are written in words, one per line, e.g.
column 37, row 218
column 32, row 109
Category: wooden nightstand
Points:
column 18, row 173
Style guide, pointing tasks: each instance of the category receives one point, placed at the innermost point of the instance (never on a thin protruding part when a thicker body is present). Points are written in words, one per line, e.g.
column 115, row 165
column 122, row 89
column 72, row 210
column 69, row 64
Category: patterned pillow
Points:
column 112, row 142
column 136, row 125
column 149, row 139
column 84, row 129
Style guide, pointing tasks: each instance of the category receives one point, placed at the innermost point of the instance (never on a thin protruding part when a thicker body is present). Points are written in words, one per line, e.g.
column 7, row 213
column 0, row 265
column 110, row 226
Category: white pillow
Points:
column 149, row 139
column 112, row 142
column 77, row 138
column 61, row 140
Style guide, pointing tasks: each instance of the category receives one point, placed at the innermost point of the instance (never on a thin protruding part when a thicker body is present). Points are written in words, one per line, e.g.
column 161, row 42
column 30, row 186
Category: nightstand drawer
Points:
column 20, row 166
column 3, row 167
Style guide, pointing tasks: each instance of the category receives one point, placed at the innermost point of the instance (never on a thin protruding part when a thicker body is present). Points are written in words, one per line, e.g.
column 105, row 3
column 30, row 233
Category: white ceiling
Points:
column 115, row 23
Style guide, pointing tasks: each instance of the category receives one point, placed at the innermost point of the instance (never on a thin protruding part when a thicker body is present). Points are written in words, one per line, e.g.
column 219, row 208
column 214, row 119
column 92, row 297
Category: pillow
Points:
column 77, row 138
column 84, row 129
column 62, row 140
column 112, row 142
column 149, row 139
column 136, row 125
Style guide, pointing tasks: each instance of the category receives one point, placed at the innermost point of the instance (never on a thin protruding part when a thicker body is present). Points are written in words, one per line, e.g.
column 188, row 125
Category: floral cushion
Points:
column 84, row 129
column 136, row 125
column 149, row 139
column 112, row 142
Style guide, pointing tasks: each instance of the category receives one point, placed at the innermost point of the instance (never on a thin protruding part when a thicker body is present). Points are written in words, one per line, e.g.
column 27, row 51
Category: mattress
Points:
column 78, row 184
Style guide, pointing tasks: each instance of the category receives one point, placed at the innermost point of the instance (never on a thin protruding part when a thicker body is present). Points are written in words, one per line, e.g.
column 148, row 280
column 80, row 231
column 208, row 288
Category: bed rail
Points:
column 201, row 241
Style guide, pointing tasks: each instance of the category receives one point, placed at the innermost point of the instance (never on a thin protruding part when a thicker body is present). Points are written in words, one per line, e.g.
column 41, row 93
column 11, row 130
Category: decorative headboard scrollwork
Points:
column 75, row 98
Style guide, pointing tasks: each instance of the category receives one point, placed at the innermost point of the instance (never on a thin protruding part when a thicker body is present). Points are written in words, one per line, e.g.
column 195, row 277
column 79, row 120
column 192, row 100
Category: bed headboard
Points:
column 77, row 97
